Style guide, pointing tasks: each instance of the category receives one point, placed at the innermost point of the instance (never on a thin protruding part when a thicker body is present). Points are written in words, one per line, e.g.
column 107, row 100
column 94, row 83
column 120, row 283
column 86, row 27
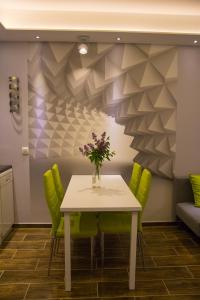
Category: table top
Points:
column 113, row 195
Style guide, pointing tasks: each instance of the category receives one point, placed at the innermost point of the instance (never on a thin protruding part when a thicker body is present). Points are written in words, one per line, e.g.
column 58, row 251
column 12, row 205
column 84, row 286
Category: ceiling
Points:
column 175, row 22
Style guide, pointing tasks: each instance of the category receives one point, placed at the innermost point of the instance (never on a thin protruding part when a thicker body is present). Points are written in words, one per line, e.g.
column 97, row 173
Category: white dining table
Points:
column 113, row 195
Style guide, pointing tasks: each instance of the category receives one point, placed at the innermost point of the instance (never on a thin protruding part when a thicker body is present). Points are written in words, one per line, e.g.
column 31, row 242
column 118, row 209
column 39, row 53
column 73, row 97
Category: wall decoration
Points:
column 14, row 94
column 72, row 95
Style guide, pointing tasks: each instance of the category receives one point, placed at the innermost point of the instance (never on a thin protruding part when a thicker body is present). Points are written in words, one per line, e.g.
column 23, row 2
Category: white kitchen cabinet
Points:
column 6, row 203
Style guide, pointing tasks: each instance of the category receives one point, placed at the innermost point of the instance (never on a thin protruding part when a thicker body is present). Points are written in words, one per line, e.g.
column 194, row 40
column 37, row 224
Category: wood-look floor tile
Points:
column 15, row 236
column 176, row 297
column 177, row 235
column 172, row 243
column 59, row 263
column 18, row 264
column 154, row 236
column 120, row 289
column 182, row 260
column 183, row 286
column 123, row 263
column 37, row 237
column 7, row 253
column 162, row 228
column 187, row 250
column 36, row 230
column 32, row 277
column 13, row 291
column 106, row 275
column 32, row 254
column 162, row 273
column 57, row 290
column 195, row 270
column 157, row 251
column 22, row 245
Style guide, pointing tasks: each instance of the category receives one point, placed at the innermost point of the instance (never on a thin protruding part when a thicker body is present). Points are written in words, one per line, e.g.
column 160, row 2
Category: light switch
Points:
column 25, row 150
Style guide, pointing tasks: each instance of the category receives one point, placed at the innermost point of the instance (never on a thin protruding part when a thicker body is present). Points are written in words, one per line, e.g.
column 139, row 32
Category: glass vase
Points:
column 96, row 178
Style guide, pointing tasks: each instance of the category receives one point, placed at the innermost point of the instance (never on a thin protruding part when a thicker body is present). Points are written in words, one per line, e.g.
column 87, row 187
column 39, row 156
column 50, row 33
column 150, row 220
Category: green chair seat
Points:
column 120, row 222
column 115, row 222
column 82, row 225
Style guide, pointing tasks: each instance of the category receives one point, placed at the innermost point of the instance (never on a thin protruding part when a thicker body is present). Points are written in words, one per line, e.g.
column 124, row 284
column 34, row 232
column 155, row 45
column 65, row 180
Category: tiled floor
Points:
column 172, row 267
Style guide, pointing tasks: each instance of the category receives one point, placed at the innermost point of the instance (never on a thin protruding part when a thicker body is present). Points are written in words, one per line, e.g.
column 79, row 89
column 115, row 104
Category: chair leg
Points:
column 140, row 244
column 53, row 242
column 92, row 247
column 57, row 245
column 102, row 249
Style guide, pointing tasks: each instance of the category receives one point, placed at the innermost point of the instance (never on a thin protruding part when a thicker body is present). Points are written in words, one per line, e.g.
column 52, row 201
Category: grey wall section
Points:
column 13, row 60
column 14, row 128
column 188, row 113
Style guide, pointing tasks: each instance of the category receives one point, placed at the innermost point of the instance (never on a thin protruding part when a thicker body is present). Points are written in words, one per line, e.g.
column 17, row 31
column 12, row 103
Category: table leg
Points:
column 67, row 252
column 133, row 244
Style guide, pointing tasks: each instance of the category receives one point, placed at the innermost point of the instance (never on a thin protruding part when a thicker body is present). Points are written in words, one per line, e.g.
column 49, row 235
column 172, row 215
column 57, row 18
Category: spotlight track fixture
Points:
column 83, row 47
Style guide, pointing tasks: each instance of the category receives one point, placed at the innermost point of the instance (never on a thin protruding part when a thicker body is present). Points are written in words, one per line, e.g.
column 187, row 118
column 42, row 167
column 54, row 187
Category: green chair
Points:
column 135, row 177
column 119, row 223
column 59, row 186
column 58, row 183
column 82, row 226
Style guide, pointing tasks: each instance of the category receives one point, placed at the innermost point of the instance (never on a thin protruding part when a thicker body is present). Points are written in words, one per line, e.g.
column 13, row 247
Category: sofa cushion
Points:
column 190, row 215
column 195, row 182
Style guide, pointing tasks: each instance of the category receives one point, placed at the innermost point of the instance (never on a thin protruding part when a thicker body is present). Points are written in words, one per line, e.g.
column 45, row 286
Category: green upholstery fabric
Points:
column 143, row 193
column 82, row 225
column 52, row 200
column 121, row 222
column 135, row 177
column 58, row 182
column 195, row 182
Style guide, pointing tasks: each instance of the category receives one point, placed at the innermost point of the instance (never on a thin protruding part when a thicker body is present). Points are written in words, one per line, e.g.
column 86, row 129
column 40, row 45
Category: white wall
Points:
column 14, row 128
column 160, row 204
column 188, row 113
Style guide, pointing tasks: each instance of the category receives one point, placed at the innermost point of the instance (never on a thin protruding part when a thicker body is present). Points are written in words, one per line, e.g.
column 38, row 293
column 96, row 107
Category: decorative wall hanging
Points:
column 69, row 94
column 14, row 94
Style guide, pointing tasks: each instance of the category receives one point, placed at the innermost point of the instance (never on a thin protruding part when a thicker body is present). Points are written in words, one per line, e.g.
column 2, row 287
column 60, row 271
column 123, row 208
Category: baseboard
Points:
column 32, row 225
column 48, row 225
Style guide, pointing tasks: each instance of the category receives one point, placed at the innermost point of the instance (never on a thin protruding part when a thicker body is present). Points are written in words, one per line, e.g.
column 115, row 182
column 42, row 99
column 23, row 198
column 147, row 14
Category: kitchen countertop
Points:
column 4, row 168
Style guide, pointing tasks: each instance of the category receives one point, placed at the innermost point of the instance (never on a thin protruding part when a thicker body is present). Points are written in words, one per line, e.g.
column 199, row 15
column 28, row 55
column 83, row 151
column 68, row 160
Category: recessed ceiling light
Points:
column 83, row 49
column 195, row 41
column 118, row 38
column 37, row 37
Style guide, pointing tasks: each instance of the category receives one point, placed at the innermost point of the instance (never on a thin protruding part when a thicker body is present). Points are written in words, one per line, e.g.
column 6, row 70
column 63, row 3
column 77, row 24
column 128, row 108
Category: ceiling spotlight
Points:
column 195, row 41
column 83, row 49
column 37, row 37
column 118, row 38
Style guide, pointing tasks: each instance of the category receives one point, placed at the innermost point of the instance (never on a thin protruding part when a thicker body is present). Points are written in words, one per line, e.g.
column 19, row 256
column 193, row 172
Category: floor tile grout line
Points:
column 165, row 286
column 13, row 256
column 25, row 235
column 26, row 291
column 1, row 274
column 192, row 276
column 37, row 263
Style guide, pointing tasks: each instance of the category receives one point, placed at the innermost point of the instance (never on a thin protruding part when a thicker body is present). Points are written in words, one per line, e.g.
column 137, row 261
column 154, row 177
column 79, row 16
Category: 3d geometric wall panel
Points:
column 70, row 95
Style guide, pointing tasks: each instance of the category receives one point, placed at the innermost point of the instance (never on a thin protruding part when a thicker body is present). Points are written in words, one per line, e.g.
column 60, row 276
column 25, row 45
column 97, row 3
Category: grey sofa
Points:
column 185, row 209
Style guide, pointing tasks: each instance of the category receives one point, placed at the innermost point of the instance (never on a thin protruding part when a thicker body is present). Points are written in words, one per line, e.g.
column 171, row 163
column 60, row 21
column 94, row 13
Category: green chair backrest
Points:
column 58, row 183
column 143, row 192
column 52, row 200
column 135, row 177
